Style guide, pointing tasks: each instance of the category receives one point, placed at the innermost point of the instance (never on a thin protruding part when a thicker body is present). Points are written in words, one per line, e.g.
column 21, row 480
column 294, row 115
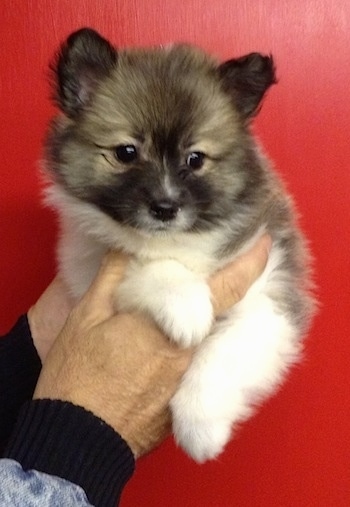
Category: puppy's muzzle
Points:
column 164, row 209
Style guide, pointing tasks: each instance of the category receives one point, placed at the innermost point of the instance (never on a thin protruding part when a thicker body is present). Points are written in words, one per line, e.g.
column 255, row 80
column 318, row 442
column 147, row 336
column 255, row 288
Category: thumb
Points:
column 99, row 299
column 230, row 284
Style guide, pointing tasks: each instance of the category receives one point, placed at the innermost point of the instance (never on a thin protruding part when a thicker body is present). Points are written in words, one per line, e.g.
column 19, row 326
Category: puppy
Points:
column 152, row 154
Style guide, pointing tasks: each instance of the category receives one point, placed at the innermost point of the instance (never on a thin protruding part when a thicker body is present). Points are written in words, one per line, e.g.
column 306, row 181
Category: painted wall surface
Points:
column 296, row 450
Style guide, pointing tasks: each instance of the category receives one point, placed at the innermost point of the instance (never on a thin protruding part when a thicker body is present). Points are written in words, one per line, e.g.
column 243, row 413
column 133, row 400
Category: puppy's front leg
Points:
column 177, row 299
column 240, row 363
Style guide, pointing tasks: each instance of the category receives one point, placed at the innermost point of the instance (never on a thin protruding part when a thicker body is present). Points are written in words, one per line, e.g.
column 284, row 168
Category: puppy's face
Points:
column 156, row 139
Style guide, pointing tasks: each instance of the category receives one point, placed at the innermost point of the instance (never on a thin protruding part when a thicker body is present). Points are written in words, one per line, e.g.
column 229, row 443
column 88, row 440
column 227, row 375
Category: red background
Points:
column 296, row 450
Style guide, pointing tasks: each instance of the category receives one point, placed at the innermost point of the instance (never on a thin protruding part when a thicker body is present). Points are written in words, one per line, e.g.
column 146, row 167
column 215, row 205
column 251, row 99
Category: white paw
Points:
column 207, row 405
column 202, row 438
column 186, row 314
column 178, row 300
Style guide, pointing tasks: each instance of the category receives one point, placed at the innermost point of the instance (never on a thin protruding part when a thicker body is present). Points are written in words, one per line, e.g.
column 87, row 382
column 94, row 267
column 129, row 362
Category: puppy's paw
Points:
column 177, row 299
column 185, row 313
column 202, row 438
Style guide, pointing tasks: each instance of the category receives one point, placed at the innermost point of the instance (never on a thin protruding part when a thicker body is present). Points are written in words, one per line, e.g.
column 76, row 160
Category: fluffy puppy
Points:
column 152, row 154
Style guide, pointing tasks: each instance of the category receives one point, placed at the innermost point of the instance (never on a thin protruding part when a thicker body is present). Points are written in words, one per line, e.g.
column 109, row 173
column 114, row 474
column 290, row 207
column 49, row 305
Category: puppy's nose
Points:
column 164, row 209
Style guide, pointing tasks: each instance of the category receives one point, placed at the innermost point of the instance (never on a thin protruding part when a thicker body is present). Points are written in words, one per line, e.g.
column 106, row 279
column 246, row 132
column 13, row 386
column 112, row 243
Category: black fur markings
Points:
column 247, row 79
column 82, row 61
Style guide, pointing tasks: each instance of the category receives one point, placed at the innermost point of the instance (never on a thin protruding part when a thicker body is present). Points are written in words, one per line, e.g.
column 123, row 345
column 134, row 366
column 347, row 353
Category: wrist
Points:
column 65, row 440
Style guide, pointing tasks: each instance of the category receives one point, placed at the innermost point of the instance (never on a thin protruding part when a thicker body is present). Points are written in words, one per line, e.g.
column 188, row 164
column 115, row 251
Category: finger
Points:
column 230, row 284
column 100, row 296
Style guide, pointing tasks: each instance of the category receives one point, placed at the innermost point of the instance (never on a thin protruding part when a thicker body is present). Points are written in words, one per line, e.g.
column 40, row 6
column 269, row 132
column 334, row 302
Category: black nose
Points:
column 164, row 209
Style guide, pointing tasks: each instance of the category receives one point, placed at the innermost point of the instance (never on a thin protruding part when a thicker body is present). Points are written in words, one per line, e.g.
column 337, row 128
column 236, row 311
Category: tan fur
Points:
column 180, row 222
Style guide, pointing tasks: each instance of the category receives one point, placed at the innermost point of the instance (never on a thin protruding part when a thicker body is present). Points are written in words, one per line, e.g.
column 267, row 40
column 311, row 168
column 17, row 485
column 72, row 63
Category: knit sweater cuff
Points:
column 20, row 366
column 65, row 440
column 19, row 359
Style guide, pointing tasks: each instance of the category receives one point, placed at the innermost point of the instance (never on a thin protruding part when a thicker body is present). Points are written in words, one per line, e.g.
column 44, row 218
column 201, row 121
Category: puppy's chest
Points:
column 199, row 253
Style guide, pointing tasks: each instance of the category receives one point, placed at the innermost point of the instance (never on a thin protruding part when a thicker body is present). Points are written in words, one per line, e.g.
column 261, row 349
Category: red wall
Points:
column 296, row 450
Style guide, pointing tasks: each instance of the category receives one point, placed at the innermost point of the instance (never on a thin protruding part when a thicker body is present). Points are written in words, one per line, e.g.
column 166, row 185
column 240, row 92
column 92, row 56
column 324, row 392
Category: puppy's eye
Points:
column 126, row 153
column 195, row 160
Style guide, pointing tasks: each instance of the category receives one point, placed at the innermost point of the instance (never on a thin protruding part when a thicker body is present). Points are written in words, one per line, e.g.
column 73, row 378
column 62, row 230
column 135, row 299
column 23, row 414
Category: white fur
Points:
column 242, row 360
column 166, row 290
column 246, row 353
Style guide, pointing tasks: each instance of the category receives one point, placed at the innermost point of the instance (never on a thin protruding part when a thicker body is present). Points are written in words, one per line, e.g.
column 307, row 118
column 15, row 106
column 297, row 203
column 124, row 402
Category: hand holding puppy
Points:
column 121, row 367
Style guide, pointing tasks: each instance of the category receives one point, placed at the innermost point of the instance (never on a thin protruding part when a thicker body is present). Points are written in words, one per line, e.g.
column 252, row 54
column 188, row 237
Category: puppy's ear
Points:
column 247, row 79
column 81, row 62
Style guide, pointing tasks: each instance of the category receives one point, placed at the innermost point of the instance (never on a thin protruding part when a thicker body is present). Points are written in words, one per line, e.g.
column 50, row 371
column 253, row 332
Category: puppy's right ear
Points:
column 247, row 79
column 82, row 61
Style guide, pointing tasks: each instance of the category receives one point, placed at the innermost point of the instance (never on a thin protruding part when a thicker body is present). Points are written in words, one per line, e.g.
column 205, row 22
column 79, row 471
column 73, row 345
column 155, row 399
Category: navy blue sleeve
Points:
column 54, row 437
column 20, row 367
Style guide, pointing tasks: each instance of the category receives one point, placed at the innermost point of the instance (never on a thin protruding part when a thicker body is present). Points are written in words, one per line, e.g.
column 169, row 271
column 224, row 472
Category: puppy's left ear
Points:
column 247, row 79
column 83, row 60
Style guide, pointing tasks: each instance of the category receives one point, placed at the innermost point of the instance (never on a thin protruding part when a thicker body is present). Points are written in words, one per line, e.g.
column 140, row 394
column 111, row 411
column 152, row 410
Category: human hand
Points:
column 121, row 367
column 47, row 316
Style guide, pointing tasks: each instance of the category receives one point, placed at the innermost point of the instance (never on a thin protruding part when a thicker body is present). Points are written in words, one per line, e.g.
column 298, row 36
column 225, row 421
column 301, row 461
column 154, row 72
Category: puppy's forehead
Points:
column 162, row 92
